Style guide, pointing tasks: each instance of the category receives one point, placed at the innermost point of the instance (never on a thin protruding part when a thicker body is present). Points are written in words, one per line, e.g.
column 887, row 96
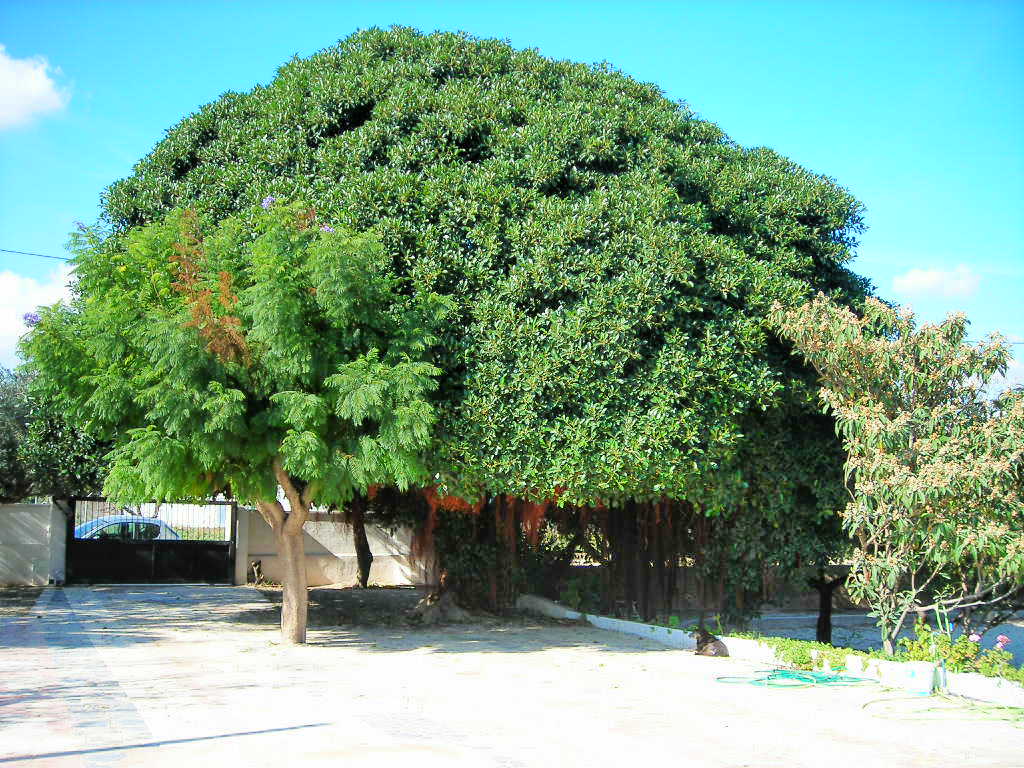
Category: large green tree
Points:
column 271, row 354
column 610, row 257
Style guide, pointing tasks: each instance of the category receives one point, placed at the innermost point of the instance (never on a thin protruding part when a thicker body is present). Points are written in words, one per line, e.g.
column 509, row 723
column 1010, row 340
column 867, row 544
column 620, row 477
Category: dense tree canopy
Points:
column 209, row 357
column 60, row 457
column 610, row 257
column 43, row 453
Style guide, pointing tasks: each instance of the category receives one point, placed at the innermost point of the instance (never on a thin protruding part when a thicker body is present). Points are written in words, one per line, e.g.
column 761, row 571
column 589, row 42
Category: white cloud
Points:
column 960, row 282
column 27, row 90
column 20, row 294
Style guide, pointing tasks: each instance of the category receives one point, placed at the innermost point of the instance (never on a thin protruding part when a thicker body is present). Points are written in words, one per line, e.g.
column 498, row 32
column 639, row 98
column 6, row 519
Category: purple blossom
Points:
column 268, row 201
column 31, row 319
column 1001, row 642
column 327, row 228
column 975, row 637
column 80, row 226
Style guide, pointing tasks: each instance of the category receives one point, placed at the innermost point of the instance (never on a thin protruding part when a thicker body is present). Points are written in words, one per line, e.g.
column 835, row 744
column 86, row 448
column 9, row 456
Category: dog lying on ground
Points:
column 708, row 644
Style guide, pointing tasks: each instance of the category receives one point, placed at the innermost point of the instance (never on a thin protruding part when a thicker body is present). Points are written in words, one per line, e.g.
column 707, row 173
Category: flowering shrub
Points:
column 964, row 654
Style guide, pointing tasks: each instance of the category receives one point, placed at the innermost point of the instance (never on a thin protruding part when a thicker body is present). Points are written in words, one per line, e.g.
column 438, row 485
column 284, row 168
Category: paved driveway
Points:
column 190, row 676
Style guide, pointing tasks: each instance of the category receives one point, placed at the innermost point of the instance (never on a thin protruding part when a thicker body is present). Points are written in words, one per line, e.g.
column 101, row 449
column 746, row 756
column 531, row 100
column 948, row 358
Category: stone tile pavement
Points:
column 194, row 676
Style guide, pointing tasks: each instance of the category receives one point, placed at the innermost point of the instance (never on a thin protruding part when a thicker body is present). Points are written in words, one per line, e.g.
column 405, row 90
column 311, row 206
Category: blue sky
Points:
column 916, row 108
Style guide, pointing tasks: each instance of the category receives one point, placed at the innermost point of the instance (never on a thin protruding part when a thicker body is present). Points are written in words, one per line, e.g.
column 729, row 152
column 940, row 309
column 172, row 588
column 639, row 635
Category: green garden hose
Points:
column 793, row 678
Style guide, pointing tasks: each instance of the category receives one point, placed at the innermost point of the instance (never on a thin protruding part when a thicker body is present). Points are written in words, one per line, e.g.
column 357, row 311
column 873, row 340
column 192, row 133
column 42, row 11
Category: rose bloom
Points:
column 975, row 637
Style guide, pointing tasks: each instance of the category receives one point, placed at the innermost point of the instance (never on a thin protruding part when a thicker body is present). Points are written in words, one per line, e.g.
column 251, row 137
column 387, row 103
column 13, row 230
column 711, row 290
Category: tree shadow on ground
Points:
column 377, row 619
column 111, row 616
column 344, row 606
column 18, row 601
column 373, row 619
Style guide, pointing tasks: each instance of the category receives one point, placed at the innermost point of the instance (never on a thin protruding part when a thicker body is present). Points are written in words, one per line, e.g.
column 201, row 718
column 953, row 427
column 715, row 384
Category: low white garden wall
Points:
column 32, row 538
column 914, row 676
column 331, row 553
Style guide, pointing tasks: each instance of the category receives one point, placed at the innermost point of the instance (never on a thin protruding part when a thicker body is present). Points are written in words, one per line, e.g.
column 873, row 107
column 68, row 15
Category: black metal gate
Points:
column 151, row 543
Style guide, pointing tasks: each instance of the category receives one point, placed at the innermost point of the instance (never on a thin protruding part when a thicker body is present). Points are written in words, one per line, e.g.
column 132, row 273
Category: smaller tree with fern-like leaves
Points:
column 272, row 351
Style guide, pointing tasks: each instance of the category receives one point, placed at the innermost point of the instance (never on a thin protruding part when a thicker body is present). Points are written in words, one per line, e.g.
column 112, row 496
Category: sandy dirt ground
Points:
column 194, row 676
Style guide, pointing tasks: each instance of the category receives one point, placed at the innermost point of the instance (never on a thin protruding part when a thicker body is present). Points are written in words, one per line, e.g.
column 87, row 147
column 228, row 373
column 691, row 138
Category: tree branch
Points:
column 299, row 510
column 273, row 513
column 311, row 490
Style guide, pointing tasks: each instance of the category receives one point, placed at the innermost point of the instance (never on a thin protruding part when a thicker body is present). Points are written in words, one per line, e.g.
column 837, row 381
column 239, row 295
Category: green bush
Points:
column 960, row 655
column 804, row 654
column 582, row 591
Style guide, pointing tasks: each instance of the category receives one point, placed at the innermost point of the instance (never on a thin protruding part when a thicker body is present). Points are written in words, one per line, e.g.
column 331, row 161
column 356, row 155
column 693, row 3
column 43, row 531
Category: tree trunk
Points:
column 364, row 557
column 295, row 598
column 291, row 548
column 825, row 589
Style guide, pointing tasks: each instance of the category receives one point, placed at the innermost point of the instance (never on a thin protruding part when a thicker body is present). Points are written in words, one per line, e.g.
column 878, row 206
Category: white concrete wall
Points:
column 32, row 538
column 330, row 553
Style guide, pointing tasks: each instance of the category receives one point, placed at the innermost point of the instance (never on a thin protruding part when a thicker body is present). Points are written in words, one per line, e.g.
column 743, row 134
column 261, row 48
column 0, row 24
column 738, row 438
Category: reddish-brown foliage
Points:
column 221, row 330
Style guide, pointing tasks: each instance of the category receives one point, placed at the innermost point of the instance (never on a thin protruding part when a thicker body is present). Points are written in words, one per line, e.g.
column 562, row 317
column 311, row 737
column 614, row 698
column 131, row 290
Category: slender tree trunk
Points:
column 294, row 593
column 364, row 557
column 291, row 548
column 826, row 589
column 630, row 556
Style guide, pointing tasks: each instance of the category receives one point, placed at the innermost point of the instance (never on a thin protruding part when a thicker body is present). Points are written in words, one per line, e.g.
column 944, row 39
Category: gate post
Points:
column 58, row 529
column 69, row 509
column 239, row 573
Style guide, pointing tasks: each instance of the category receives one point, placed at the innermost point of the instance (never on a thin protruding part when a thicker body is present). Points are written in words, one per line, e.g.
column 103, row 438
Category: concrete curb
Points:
column 991, row 689
column 915, row 676
column 676, row 638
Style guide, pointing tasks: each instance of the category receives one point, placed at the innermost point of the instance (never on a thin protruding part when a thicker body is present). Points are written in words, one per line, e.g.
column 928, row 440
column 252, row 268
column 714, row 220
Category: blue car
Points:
column 126, row 528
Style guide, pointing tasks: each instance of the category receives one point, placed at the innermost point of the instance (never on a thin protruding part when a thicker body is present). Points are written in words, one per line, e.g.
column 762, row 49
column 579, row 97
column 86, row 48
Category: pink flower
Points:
column 975, row 637
column 1001, row 642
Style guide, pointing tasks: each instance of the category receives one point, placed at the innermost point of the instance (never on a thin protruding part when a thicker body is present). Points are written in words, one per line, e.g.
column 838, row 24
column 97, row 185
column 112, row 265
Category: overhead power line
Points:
column 65, row 258
column 29, row 253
